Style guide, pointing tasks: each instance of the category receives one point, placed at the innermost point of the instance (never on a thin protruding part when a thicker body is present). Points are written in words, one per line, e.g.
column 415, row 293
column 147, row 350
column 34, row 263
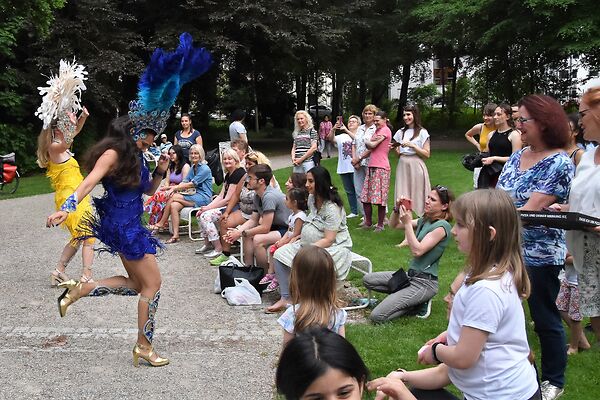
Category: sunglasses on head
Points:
column 443, row 192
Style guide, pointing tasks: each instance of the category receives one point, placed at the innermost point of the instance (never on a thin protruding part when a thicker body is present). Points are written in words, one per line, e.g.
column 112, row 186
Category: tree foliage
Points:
column 269, row 54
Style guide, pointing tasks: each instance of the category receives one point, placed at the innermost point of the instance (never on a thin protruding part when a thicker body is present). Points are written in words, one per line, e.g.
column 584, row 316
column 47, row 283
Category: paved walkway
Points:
column 216, row 351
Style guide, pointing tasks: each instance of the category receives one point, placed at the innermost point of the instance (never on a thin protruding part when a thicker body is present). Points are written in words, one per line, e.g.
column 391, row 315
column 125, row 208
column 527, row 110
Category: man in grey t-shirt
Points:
column 268, row 223
column 237, row 130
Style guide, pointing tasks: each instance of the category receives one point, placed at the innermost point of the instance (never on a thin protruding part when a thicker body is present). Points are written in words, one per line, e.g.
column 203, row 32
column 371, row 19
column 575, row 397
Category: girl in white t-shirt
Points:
column 296, row 200
column 313, row 285
column 484, row 352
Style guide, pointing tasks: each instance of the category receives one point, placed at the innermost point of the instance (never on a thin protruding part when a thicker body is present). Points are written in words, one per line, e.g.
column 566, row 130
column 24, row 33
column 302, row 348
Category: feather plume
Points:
column 167, row 72
column 63, row 93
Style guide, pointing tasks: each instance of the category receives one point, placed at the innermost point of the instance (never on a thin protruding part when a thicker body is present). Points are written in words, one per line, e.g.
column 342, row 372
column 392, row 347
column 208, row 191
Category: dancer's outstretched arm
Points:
column 104, row 164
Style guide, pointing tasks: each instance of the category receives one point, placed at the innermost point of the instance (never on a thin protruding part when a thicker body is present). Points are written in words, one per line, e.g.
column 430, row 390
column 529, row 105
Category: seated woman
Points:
column 427, row 238
column 196, row 191
column 324, row 227
column 178, row 169
column 208, row 216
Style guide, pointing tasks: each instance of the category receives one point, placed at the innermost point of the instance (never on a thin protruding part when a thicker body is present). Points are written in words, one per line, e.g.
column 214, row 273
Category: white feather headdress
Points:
column 63, row 95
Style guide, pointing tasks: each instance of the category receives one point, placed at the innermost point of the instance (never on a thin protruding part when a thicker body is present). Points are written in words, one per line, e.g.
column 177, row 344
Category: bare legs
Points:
column 235, row 218
column 87, row 254
column 261, row 244
column 172, row 209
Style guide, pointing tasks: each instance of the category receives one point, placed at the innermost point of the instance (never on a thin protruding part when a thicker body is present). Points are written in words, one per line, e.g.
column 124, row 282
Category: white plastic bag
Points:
column 243, row 294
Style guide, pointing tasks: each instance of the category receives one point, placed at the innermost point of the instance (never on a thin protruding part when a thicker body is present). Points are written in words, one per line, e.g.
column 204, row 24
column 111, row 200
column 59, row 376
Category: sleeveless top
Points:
column 429, row 262
column 499, row 144
column 483, row 136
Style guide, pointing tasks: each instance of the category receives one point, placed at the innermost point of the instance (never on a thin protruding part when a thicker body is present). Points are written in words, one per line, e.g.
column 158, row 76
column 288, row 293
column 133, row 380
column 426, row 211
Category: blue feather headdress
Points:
column 161, row 82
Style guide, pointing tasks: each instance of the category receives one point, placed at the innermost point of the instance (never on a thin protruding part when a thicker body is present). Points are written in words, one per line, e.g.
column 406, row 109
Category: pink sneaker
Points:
column 272, row 286
column 268, row 278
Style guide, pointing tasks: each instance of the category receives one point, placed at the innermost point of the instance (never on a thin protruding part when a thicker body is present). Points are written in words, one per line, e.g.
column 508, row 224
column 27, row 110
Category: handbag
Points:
column 228, row 272
column 473, row 160
column 190, row 191
column 316, row 157
column 398, row 281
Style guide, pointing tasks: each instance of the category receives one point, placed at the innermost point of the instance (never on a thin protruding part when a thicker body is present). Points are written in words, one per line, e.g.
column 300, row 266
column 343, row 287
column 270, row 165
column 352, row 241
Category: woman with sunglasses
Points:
column 178, row 169
column 536, row 177
column 427, row 238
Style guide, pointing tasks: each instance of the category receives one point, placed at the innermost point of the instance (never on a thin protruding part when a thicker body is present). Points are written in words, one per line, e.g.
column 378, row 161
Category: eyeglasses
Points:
column 442, row 191
column 522, row 120
column 583, row 112
column 249, row 178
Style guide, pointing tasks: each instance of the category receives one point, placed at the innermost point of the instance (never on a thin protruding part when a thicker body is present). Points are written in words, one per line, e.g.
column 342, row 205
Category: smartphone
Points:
column 340, row 120
column 407, row 203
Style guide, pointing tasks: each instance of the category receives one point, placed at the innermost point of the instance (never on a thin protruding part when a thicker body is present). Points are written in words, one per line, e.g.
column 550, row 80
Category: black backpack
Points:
column 214, row 163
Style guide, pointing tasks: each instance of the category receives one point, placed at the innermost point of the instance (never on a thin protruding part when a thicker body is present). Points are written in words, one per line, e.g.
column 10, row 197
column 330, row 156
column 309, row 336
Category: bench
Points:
column 364, row 266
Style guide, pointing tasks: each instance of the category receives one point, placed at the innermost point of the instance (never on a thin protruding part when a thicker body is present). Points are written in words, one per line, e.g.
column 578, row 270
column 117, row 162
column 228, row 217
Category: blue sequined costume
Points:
column 117, row 223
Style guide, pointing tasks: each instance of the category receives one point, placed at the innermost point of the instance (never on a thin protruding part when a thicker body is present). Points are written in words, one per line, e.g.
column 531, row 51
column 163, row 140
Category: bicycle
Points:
column 9, row 176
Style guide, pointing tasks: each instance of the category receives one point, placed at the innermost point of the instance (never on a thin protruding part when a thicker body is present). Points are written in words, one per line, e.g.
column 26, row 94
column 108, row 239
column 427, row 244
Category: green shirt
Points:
column 429, row 261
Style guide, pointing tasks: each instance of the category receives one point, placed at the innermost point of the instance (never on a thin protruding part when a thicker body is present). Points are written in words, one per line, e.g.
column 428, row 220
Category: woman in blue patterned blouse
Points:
column 536, row 177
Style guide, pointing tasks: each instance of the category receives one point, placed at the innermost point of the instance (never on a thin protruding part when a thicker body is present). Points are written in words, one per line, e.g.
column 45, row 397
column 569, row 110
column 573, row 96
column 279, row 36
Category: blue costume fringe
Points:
column 117, row 222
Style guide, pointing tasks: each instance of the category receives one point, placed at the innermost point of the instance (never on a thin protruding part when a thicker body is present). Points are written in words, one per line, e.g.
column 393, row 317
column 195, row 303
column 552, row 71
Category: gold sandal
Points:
column 57, row 277
column 147, row 353
column 71, row 294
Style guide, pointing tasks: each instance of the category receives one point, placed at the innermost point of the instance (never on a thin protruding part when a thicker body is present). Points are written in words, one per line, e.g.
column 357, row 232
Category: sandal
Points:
column 268, row 278
column 157, row 228
column 86, row 276
column 172, row 240
column 57, row 277
column 272, row 286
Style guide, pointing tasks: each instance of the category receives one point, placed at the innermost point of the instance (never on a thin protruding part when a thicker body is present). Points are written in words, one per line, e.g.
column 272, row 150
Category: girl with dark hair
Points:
column 320, row 364
column 296, row 200
column 377, row 181
column 178, row 170
column 413, row 147
column 535, row 178
column 187, row 136
column 502, row 142
column 577, row 143
column 118, row 163
column 324, row 227
column 482, row 131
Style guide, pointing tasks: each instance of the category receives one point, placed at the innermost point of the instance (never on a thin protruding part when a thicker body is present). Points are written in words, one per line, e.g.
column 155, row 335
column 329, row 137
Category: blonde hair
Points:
column 200, row 150
column 357, row 118
column 261, row 158
column 313, row 287
column 370, row 107
column 43, row 149
column 491, row 257
column 232, row 154
column 592, row 96
column 309, row 121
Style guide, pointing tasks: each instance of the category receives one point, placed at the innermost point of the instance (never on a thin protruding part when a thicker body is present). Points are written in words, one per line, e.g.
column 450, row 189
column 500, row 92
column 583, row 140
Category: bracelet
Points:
column 156, row 173
column 433, row 353
column 403, row 376
column 70, row 203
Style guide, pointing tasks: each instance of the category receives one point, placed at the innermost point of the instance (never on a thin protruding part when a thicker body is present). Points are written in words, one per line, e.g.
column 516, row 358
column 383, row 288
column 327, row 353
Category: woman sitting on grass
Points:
column 427, row 238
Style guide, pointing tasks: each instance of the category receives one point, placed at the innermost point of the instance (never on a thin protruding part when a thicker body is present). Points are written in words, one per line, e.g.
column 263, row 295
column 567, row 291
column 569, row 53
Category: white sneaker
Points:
column 351, row 215
column 212, row 254
column 204, row 249
column 550, row 392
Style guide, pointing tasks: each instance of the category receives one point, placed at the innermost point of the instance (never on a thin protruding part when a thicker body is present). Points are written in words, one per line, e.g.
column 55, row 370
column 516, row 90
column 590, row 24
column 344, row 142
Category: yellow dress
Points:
column 65, row 177
column 483, row 136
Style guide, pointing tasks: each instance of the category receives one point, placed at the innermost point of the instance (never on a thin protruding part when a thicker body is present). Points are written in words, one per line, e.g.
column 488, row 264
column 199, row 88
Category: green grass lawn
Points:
column 395, row 344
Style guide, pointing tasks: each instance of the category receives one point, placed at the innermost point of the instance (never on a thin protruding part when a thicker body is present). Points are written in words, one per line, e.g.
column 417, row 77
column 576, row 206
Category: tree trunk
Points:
column 362, row 95
column 301, row 91
column 403, row 99
column 443, row 82
column 452, row 105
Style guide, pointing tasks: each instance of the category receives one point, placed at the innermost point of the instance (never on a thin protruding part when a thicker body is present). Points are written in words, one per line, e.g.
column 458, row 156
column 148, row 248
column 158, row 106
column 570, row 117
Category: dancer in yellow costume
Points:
column 58, row 108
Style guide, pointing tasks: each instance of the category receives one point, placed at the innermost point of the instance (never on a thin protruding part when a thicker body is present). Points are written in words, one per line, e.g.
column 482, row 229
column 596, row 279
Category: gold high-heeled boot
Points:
column 147, row 353
column 71, row 294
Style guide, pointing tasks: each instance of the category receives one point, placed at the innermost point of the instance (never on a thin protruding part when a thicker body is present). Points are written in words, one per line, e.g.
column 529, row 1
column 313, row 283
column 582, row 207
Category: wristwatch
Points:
column 244, row 234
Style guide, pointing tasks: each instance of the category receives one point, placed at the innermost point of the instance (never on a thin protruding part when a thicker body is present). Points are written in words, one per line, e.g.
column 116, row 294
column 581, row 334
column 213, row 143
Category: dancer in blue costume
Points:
column 117, row 162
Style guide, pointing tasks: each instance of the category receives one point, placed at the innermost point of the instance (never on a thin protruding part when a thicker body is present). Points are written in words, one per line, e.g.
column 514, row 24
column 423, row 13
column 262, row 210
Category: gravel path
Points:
column 216, row 351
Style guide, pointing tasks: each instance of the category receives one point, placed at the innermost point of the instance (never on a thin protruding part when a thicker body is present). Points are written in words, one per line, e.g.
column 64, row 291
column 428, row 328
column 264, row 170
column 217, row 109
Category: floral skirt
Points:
column 376, row 186
column 155, row 206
